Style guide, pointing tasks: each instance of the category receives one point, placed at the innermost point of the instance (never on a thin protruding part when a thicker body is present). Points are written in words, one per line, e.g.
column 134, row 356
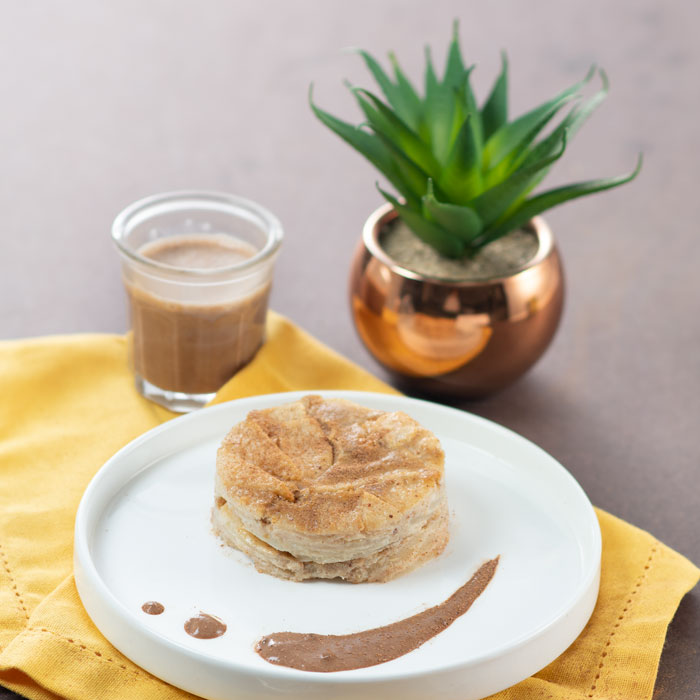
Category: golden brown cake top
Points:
column 329, row 466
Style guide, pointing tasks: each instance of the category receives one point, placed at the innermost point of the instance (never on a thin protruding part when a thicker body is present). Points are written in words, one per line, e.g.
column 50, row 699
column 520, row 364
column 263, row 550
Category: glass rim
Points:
column 238, row 206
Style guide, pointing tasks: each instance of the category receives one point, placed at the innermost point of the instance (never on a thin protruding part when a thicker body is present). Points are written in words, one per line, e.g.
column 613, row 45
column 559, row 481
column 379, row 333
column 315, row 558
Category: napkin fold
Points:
column 68, row 404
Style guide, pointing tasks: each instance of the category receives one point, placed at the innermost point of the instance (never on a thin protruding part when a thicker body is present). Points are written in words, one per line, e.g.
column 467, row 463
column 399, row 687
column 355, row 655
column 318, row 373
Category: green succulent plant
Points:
column 465, row 173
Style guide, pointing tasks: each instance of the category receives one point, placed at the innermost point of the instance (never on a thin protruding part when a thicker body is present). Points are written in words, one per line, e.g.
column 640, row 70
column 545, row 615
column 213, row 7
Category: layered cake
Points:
column 325, row 488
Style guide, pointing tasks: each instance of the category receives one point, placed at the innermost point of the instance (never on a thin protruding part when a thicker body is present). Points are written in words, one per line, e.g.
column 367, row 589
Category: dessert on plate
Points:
column 325, row 488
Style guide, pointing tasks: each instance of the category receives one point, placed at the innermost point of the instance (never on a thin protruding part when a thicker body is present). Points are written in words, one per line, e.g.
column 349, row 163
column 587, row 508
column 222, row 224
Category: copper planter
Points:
column 456, row 338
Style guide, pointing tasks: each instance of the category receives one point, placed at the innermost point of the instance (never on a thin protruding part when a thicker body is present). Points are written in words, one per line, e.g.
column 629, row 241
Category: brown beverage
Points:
column 194, row 347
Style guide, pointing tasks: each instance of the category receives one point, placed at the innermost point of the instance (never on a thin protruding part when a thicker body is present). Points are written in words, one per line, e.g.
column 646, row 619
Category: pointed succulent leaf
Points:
column 525, row 128
column 454, row 70
column 462, row 222
column 401, row 95
column 574, row 121
column 404, row 83
column 472, row 108
column 501, row 169
column 457, row 79
column 494, row 202
column 494, row 113
column 367, row 144
column 570, row 124
column 461, row 176
column 439, row 118
column 412, row 98
column 555, row 147
column 438, row 112
column 511, row 162
column 429, row 232
column 372, row 148
column 386, row 122
column 431, row 81
column 414, row 177
column 552, row 143
column 551, row 198
column 459, row 114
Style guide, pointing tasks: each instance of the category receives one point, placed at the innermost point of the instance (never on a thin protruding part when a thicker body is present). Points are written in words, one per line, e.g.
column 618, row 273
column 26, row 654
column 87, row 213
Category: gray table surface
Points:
column 103, row 103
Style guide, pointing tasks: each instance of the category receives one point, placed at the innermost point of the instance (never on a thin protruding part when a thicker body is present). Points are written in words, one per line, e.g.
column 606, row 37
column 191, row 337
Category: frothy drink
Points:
column 195, row 344
column 200, row 251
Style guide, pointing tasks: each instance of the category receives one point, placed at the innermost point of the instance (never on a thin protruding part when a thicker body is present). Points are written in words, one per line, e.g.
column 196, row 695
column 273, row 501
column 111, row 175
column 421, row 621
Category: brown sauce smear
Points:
column 153, row 607
column 205, row 626
column 327, row 652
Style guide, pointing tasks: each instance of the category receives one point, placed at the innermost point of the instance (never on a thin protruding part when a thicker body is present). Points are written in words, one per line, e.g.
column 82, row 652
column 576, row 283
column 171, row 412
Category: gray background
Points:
column 103, row 103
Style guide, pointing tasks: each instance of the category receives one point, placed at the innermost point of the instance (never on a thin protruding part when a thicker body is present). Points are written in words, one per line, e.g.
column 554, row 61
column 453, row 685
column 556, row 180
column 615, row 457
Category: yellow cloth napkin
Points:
column 67, row 404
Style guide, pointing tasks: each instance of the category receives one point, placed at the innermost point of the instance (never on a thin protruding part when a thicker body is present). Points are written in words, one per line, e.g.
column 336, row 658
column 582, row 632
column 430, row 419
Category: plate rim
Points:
column 85, row 567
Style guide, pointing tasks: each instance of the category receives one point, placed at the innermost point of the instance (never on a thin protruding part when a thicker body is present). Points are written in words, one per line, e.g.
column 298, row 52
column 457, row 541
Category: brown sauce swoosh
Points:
column 328, row 652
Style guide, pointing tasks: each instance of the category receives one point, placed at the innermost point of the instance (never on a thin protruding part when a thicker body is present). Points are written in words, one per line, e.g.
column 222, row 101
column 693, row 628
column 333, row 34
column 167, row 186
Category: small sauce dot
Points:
column 205, row 626
column 153, row 607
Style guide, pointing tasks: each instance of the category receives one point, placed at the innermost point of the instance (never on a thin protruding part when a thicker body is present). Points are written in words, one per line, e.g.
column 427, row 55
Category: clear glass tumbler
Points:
column 197, row 267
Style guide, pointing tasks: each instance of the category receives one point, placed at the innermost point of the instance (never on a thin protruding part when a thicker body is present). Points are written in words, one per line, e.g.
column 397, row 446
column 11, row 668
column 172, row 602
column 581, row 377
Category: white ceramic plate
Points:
column 143, row 533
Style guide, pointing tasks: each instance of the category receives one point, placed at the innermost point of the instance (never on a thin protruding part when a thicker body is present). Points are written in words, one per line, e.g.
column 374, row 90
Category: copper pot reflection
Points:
column 457, row 338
